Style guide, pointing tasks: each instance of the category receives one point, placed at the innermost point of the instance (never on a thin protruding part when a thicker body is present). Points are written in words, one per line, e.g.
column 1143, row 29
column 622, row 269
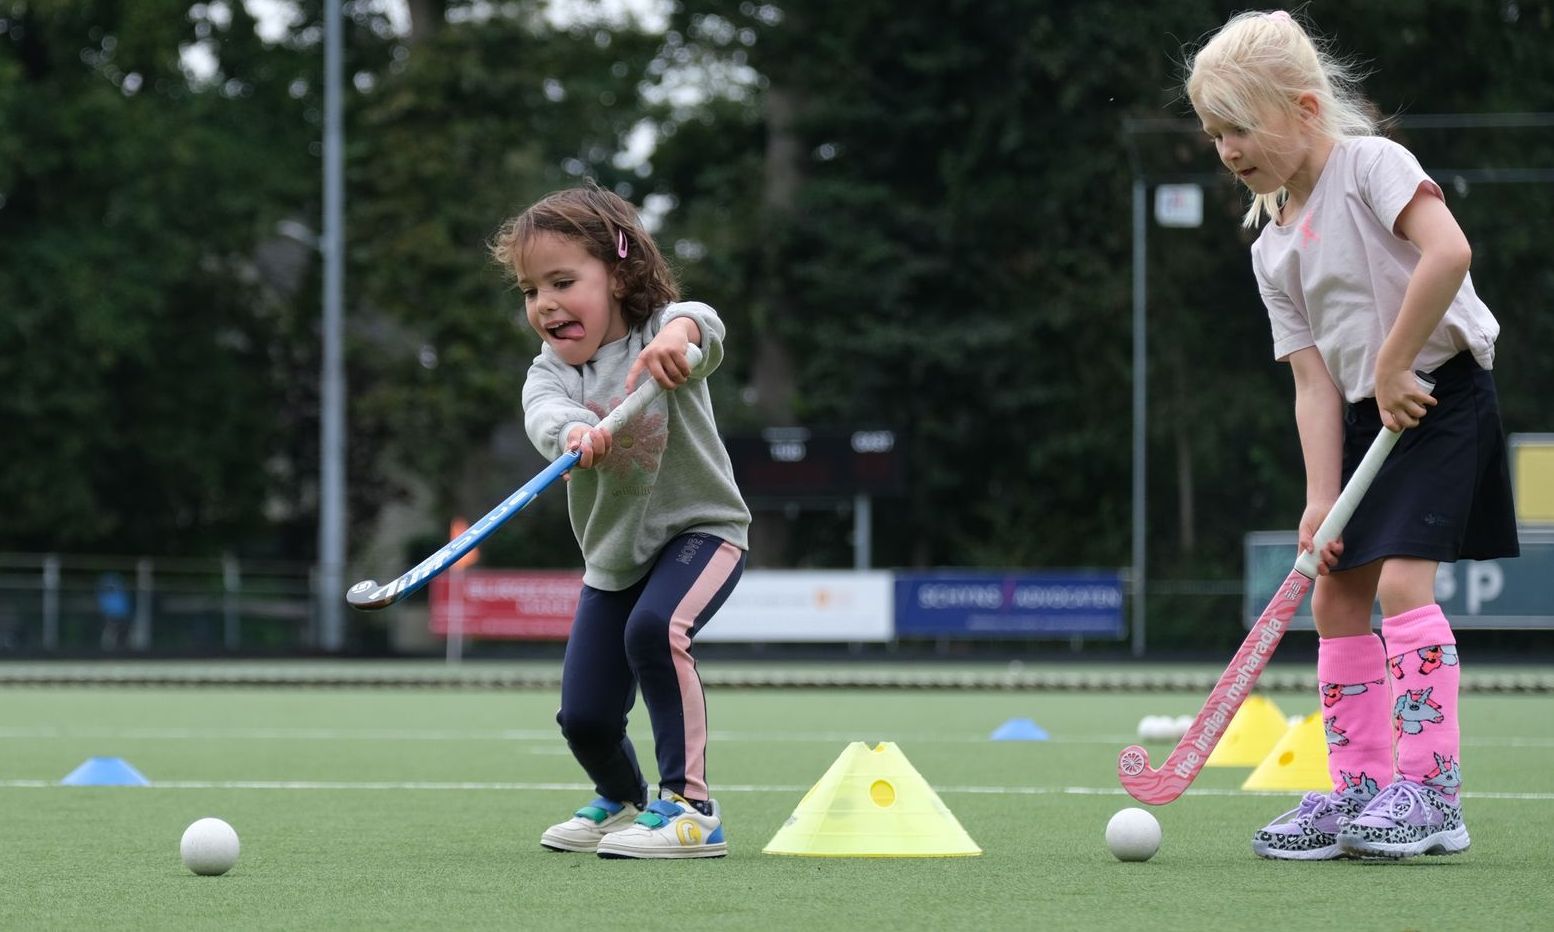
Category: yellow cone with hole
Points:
column 1253, row 731
column 1297, row 762
column 872, row 803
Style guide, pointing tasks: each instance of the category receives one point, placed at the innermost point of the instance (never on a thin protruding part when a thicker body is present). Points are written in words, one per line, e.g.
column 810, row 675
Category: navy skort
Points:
column 1444, row 493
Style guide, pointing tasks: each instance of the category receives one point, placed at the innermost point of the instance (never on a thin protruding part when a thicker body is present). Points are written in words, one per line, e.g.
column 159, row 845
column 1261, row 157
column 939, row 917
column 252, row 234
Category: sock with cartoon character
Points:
column 1351, row 674
column 1422, row 667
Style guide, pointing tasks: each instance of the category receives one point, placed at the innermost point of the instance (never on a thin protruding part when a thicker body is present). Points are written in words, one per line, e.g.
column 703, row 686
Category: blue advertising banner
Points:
column 1010, row 605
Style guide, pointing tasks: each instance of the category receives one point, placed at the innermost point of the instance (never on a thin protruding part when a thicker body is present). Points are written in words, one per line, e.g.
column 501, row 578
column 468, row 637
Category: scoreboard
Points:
column 800, row 462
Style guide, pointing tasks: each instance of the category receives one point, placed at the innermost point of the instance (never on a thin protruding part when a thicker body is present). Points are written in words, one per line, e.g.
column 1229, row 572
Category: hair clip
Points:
column 620, row 243
column 1280, row 16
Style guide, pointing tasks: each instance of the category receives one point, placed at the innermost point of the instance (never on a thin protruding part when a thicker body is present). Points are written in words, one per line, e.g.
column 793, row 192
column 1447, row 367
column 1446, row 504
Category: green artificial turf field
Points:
column 379, row 809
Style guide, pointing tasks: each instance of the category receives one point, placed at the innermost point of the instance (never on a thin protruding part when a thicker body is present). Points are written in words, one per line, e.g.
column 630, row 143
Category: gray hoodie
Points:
column 667, row 472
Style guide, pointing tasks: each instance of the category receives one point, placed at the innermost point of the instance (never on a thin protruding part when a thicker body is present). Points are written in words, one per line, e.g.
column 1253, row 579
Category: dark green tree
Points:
column 952, row 253
column 135, row 347
column 913, row 215
column 468, row 125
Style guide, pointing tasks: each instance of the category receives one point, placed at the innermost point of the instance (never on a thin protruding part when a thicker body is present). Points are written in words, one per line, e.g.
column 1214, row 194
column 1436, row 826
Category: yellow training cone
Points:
column 1254, row 730
column 872, row 804
column 1297, row 762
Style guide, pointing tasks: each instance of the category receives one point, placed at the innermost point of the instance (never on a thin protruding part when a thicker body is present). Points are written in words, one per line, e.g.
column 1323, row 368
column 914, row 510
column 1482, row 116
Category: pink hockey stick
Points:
column 1182, row 765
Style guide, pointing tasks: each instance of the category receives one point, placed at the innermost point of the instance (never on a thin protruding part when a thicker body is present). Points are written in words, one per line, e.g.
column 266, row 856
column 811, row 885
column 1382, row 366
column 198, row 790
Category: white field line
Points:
column 553, row 734
column 536, row 734
column 461, row 786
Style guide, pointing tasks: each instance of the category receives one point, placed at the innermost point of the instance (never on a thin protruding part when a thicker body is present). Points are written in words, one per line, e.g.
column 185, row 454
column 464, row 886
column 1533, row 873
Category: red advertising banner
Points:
column 528, row 605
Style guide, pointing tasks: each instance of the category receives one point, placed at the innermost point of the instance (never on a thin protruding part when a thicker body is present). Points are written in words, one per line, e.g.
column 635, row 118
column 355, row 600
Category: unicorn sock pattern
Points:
column 1423, row 671
column 1351, row 672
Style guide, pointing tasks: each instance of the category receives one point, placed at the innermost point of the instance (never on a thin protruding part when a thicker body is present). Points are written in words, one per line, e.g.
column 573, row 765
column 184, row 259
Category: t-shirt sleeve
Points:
column 1389, row 176
column 1291, row 329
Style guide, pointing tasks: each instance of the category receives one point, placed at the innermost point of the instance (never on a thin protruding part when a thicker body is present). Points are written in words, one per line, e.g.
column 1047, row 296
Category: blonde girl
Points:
column 1364, row 274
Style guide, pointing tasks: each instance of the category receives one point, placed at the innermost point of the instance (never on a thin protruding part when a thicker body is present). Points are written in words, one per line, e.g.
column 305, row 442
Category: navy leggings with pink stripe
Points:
column 642, row 636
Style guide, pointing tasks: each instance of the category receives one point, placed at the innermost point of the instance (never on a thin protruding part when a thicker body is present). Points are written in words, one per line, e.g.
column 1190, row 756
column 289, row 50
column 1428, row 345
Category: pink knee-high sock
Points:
column 1422, row 660
column 1355, row 708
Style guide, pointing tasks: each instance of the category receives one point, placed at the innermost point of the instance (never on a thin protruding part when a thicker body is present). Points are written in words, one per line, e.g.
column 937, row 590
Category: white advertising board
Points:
column 806, row 605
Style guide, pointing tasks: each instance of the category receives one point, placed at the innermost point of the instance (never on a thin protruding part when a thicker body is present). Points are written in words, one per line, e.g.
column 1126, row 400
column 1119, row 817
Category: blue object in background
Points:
column 113, row 599
column 1020, row 729
column 105, row 771
column 1074, row 603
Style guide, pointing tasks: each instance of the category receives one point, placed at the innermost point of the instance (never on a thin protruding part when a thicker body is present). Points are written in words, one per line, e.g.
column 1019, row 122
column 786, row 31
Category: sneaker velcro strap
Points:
column 599, row 810
column 659, row 813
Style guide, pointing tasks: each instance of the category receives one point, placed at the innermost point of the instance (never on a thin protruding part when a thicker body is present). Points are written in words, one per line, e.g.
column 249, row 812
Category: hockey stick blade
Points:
column 367, row 595
column 1181, row 767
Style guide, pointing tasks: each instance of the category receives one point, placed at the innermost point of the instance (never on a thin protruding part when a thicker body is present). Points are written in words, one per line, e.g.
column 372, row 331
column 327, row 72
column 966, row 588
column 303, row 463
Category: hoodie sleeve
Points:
column 712, row 332
column 550, row 407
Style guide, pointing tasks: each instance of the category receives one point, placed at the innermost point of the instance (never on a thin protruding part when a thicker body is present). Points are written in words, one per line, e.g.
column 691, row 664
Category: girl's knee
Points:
column 1342, row 607
column 586, row 729
column 1342, row 604
column 647, row 634
column 1406, row 584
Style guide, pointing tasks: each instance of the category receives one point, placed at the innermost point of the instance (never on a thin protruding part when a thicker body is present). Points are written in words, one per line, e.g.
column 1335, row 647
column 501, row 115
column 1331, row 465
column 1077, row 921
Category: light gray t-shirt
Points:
column 1334, row 277
column 667, row 472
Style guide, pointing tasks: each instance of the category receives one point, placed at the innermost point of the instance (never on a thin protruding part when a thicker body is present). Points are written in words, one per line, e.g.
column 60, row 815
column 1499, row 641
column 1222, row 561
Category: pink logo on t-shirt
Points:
column 1307, row 234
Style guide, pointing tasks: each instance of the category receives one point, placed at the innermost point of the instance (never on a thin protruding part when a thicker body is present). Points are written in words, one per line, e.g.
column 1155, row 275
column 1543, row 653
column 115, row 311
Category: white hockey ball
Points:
column 1133, row 834
column 209, row 847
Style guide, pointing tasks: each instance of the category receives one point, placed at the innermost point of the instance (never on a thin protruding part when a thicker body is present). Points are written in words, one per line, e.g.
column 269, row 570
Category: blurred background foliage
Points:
column 913, row 215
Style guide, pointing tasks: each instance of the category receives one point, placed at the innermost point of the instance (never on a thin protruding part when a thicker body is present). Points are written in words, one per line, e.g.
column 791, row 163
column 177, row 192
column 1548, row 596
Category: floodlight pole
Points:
column 1140, row 407
column 331, row 453
column 1132, row 129
column 1136, row 575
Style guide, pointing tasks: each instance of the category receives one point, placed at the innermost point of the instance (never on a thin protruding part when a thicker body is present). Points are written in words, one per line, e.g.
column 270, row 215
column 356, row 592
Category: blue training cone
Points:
column 105, row 771
column 1019, row 729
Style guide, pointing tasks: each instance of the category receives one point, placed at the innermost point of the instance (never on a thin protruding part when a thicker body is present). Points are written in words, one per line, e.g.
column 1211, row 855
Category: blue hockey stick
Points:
column 368, row 595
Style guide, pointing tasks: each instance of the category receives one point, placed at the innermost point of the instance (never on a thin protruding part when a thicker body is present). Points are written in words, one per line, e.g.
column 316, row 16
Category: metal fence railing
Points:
column 71, row 604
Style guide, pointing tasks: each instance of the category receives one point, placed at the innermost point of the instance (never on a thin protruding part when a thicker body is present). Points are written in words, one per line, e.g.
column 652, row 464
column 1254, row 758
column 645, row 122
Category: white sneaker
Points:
column 668, row 828
column 589, row 824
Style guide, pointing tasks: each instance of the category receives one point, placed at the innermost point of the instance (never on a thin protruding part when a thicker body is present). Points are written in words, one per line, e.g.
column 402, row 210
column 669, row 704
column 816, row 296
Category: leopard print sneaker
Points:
column 1404, row 820
column 1309, row 832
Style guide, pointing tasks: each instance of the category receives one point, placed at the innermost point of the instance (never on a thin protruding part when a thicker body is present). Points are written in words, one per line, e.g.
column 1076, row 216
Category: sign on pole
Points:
column 1179, row 205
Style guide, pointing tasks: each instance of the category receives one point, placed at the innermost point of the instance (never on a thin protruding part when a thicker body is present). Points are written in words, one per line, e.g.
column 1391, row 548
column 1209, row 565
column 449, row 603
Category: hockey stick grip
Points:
column 643, row 395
